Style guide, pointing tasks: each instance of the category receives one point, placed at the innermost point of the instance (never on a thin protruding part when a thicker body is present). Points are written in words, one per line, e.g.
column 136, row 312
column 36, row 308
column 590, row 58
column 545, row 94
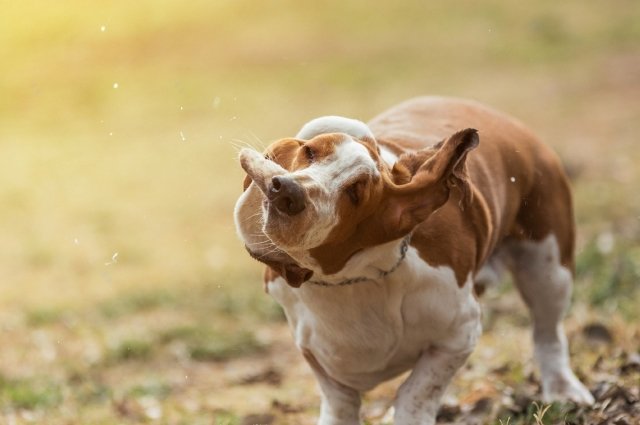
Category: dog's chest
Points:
column 371, row 331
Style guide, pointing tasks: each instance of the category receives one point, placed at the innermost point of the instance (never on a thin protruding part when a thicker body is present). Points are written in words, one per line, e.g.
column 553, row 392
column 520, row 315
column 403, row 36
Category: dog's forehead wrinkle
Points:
column 327, row 167
column 350, row 158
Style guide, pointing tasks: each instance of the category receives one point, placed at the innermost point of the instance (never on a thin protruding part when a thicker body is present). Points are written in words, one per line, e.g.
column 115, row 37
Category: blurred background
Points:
column 124, row 293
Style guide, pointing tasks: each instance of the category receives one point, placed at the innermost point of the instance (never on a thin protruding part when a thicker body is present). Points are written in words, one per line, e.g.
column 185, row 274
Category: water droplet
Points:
column 103, row 28
column 216, row 102
column 116, row 85
column 182, row 136
column 114, row 259
column 513, row 179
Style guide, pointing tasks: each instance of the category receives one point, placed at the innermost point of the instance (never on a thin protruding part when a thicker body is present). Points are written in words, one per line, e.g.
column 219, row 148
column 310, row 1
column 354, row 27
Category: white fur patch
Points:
column 379, row 328
column 334, row 124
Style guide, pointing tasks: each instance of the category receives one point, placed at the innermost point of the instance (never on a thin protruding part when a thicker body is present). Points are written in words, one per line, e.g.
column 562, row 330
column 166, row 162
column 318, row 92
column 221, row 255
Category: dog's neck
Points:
column 368, row 266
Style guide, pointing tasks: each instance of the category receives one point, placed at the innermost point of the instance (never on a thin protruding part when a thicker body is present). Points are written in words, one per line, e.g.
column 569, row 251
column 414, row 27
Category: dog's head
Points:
column 311, row 202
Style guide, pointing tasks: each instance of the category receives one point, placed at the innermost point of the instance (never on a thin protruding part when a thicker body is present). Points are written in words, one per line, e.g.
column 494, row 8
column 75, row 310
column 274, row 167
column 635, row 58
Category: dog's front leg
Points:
column 419, row 396
column 339, row 407
column 340, row 404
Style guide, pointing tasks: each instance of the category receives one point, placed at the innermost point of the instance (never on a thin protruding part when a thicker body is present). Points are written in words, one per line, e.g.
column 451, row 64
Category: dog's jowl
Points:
column 378, row 237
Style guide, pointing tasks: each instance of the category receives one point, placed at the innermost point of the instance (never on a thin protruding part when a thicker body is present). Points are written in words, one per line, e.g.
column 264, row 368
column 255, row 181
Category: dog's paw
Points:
column 565, row 386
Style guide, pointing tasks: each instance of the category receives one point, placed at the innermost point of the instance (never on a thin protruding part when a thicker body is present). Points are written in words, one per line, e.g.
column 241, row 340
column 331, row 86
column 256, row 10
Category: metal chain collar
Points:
column 383, row 273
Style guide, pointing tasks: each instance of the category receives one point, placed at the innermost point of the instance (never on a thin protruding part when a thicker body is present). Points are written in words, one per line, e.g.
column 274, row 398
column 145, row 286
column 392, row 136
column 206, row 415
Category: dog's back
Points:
column 511, row 170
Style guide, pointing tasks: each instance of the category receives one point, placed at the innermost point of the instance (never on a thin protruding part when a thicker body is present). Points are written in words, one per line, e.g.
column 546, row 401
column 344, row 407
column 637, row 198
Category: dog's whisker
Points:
column 258, row 214
column 241, row 144
column 258, row 139
column 273, row 251
column 265, row 244
column 262, row 244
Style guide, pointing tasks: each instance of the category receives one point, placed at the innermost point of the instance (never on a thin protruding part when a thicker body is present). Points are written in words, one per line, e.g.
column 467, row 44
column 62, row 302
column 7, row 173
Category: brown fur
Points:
column 460, row 204
column 525, row 208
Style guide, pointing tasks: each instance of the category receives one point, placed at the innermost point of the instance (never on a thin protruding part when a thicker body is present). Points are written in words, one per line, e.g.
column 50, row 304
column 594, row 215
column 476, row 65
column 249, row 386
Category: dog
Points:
column 378, row 239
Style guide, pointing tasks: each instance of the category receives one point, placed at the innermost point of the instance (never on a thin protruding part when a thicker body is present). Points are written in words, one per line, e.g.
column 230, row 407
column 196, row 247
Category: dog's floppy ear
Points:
column 422, row 181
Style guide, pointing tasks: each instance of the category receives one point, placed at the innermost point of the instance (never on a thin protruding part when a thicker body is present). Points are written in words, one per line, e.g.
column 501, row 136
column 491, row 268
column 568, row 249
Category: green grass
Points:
column 44, row 316
column 29, row 394
column 225, row 418
column 155, row 389
column 610, row 271
column 131, row 349
column 208, row 344
column 540, row 414
column 139, row 301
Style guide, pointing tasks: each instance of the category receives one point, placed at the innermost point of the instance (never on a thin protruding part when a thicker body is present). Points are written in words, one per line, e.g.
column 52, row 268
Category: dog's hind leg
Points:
column 545, row 285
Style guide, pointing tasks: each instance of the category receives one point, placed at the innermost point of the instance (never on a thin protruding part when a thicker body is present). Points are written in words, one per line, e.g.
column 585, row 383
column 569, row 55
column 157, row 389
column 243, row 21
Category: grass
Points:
column 29, row 394
column 140, row 301
column 146, row 170
column 540, row 414
column 613, row 272
column 207, row 344
column 131, row 349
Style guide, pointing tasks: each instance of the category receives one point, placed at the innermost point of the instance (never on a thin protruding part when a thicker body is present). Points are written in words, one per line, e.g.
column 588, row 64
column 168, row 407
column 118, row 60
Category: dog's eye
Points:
column 308, row 152
column 353, row 192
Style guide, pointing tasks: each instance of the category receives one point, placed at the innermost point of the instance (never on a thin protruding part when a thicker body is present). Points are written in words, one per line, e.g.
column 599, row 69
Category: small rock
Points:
column 597, row 332
column 448, row 413
column 258, row 419
column 270, row 376
column 286, row 407
column 482, row 406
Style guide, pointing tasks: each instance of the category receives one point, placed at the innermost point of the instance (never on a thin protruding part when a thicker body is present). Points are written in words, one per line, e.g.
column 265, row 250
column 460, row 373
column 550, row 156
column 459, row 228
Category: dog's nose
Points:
column 286, row 195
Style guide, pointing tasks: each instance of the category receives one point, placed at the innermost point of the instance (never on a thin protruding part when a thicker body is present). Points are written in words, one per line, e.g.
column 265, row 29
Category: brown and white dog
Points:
column 377, row 238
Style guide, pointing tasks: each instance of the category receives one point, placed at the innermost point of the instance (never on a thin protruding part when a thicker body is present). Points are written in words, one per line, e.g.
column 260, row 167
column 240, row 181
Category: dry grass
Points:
column 124, row 295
